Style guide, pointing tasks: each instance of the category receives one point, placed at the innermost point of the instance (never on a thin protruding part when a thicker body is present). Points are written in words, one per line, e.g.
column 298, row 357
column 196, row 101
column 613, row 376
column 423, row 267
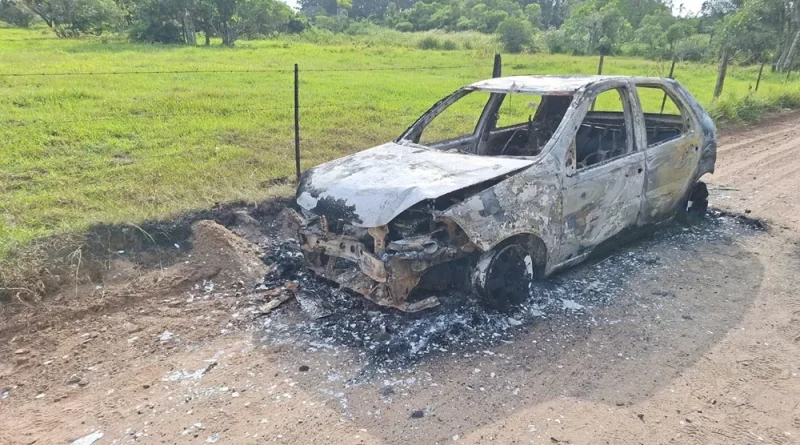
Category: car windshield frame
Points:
column 476, row 142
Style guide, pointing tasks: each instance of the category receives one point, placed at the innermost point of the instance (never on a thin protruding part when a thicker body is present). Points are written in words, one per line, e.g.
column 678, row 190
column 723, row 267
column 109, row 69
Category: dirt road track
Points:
column 758, row 169
column 703, row 349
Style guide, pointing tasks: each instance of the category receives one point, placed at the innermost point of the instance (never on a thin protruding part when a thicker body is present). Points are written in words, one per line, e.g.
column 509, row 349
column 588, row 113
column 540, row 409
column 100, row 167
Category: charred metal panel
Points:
column 527, row 203
column 600, row 202
column 671, row 168
column 372, row 187
column 544, row 85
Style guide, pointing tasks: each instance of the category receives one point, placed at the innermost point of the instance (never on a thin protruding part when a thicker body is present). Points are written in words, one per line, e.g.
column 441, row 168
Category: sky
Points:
column 689, row 6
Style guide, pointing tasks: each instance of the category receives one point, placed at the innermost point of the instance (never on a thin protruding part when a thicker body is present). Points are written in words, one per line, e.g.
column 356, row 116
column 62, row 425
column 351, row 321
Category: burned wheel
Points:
column 502, row 277
column 695, row 206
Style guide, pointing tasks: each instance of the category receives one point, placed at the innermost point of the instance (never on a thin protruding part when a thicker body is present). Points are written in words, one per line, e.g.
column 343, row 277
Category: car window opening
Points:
column 603, row 134
column 664, row 119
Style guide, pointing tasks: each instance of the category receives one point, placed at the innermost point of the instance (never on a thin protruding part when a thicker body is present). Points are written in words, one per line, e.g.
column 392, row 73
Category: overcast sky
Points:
column 689, row 6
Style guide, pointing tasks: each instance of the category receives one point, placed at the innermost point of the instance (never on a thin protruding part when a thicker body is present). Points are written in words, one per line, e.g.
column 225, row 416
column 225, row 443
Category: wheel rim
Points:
column 508, row 276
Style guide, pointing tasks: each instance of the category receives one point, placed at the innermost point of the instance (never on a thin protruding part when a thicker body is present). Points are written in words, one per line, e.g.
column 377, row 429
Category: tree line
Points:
column 158, row 21
column 748, row 31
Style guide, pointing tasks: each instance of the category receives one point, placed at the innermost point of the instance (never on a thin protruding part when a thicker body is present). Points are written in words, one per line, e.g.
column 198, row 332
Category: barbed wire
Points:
column 263, row 70
column 218, row 113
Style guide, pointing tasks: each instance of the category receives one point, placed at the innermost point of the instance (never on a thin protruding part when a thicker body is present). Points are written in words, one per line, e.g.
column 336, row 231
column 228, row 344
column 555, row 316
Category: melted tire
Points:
column 502, row 277
column 695, row 206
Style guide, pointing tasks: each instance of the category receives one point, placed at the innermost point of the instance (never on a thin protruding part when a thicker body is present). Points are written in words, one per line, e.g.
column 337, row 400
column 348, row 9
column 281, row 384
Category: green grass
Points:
column 79, row 150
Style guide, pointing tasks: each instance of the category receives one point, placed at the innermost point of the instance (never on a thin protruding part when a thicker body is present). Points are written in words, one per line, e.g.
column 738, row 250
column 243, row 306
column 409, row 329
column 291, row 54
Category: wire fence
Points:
column 282, row 112
column 266, row 70
column 163, row 140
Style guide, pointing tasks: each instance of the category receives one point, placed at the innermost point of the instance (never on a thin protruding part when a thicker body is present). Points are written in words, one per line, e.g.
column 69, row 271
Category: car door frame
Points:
column 670, row 165
column 576, row 248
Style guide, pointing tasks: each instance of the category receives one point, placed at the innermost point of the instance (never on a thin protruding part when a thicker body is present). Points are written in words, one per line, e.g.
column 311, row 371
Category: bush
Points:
column 429, row 42
column 298, row 23
column 694, row 48
column 168, row 32
column 337, row 23
column 15, row 16
column 404, row 27
column 554, row 40
column 362, row 28
column 449, row 45
column 515, row 34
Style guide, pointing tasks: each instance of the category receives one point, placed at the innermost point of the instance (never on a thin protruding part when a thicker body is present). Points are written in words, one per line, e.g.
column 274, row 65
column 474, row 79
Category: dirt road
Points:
column 690, row 336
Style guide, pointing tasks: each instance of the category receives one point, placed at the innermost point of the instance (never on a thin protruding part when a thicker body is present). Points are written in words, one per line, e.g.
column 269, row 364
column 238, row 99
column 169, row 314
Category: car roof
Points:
column 548, row 85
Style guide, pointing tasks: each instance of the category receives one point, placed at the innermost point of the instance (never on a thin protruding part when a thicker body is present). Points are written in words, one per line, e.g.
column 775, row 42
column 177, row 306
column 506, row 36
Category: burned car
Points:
column 505, row 181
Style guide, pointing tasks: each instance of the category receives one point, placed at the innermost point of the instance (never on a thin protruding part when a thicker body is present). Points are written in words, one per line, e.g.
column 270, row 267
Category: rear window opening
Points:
column 664, row 118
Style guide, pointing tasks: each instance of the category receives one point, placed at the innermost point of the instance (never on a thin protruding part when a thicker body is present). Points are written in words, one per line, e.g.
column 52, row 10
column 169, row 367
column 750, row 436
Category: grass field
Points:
column 82, row 149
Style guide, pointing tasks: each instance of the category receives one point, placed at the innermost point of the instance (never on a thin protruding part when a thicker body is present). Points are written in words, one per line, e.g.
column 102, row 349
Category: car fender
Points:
column 529, row 202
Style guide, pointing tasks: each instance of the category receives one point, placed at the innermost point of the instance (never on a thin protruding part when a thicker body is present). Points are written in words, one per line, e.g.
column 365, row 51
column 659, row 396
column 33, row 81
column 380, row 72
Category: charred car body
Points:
column 503, row 181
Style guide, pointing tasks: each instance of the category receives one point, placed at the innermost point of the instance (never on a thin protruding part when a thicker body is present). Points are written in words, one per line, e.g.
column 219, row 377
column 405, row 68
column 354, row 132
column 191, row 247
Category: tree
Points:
column 15, row 14
column 250, row 18
column 743, row 31
column 596, row 28
column 677, row 32
column 534, row 14
column 515, row 34
column 159, row 21
column 69, row 18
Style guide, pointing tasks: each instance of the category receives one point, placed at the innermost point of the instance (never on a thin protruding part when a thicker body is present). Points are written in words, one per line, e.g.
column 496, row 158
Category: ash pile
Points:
column 317, row 314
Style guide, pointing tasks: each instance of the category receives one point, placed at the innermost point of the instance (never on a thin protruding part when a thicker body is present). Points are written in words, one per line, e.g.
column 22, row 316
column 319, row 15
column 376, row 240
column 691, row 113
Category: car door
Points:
column 672, row 140
column 602, row 193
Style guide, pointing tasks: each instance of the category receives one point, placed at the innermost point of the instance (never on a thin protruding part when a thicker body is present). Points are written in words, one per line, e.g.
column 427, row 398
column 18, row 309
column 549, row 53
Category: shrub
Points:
column 449, row 45
column 362, row 28
column 336, row 23
column 515, row 34
column 429, row 42
column 404, row 27
column 554, row 40
column 298, row 23
column 694, row 48
column 168, row 32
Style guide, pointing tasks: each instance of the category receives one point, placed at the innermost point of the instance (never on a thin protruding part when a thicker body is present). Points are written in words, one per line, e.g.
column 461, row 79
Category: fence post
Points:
column 760, row 71
column 297, row 121
column 600, row 66
column 671, row 74
column 497, row 71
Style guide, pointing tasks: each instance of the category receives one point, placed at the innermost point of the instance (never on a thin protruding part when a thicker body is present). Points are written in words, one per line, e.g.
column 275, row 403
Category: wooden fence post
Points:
column 297, row 121
column 671, row 75
column 760, row 71
column 497, row 71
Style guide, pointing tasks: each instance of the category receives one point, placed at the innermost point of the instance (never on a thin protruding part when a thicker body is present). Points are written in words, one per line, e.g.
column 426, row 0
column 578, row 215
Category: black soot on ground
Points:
column 389, row 340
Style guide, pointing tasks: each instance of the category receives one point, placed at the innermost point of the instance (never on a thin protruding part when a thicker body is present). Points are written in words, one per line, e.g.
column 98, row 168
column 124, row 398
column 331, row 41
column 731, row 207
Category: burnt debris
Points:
column 388, row 339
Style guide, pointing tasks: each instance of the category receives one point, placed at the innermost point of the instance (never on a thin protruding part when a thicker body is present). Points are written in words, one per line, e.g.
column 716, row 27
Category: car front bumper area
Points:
column 385, row 279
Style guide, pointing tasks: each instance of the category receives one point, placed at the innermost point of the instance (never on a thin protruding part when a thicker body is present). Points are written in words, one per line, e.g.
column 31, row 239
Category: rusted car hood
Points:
column 372, row 187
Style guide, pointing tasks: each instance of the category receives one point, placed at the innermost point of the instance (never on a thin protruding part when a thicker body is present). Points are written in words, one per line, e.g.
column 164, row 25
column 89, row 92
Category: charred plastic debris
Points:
column 328, row 316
